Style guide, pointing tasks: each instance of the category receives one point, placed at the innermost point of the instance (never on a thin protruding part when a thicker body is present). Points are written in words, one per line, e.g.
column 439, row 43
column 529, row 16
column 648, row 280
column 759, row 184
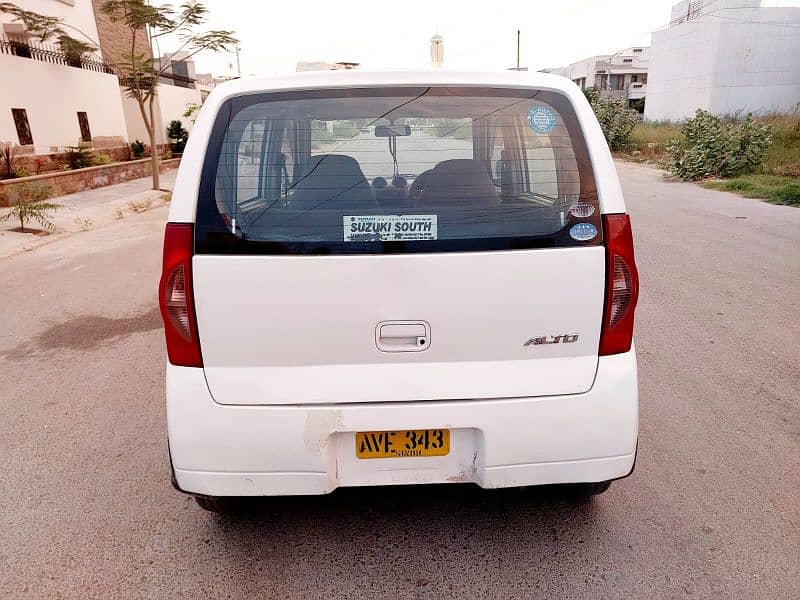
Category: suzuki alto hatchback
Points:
column 380, row 279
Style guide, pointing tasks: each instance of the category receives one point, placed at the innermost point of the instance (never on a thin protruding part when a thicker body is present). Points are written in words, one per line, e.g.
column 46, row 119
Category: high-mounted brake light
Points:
column 622, row 286
column 175, row 296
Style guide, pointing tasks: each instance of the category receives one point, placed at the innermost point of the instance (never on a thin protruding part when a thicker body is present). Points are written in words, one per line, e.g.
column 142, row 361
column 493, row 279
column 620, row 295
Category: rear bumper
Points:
column 279, row 450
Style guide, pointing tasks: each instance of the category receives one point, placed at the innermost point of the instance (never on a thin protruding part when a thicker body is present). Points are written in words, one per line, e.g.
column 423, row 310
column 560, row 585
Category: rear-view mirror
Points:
column 392, row 130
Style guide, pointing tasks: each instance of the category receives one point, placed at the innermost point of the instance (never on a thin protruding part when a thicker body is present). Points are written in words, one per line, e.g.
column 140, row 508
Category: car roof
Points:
column 364, row 78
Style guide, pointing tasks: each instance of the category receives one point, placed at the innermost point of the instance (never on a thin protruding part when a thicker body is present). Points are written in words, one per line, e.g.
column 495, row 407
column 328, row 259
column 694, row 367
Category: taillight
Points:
column 622, row 285
column 175, row 296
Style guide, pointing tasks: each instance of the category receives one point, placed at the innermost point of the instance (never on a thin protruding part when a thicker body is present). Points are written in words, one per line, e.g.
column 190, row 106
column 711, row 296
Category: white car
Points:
column 398, row 278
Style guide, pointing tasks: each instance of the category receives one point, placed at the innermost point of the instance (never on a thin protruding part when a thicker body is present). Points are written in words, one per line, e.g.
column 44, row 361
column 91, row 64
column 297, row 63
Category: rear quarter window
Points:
column 392, row 170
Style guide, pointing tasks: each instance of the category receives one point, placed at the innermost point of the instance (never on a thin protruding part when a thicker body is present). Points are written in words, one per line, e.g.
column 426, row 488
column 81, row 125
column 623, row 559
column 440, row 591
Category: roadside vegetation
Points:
column 32, row 204
column 757, row 157
column 616, row 120
column 776, row 189
column 14, row 165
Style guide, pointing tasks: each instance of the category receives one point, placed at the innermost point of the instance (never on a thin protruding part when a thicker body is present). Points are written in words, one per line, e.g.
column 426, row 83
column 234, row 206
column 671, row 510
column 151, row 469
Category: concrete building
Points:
column 727, row 57
column 49, row 100
column 205, row 82
column 180, row 70
column 621, row 76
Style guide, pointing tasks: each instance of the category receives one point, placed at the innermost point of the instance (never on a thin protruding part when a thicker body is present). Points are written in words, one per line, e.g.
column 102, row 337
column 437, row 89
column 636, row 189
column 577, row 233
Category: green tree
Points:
column 138, row 72
column 32, row 204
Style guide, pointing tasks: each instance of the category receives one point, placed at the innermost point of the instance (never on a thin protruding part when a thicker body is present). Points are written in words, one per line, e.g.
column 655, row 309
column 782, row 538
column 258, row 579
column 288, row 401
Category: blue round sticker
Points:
column 583, row 232
column 541, row 119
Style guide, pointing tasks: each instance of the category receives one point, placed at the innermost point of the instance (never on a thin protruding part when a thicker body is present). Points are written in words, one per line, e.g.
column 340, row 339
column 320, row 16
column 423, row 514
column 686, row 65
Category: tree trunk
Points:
column 154, row 155
column 150, row 126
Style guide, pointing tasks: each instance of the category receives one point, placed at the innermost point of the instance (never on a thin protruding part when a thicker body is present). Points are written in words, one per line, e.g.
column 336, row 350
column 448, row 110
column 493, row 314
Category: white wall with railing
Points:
column 52, row 95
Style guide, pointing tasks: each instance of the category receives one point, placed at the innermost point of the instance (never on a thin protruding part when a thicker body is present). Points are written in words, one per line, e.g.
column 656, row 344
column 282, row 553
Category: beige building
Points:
column 49, row 101
column 621, row 76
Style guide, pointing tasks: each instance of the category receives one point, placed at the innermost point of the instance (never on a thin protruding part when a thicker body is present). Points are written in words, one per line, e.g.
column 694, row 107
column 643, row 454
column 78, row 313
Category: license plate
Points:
column 406, row 443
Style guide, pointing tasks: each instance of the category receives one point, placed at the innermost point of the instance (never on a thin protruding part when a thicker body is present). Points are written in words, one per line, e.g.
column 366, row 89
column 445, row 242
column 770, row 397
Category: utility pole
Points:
column 517, row 49
column 238, row 65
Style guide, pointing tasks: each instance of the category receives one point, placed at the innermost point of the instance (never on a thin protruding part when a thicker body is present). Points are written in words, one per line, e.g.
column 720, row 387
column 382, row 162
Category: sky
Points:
column 274, row 35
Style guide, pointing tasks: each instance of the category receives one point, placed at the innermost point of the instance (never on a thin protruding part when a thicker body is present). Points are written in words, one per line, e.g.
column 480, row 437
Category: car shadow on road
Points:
column 408, row 537
column 85, row 332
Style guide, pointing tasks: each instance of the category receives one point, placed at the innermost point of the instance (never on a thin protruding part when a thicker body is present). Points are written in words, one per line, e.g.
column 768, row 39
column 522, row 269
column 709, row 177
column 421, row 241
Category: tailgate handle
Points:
column 403, row 336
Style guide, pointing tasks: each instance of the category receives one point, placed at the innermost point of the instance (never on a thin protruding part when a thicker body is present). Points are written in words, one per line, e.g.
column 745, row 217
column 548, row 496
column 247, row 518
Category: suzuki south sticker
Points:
column 389, row 228
column 541, row 119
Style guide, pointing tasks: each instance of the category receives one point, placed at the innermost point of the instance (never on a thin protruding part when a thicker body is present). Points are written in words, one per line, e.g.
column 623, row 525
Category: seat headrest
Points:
column 459, row 180
column 332, row 181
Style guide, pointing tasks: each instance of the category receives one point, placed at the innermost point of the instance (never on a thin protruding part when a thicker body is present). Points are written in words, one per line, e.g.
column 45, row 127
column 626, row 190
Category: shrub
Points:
column 176, row 131
column 102, row 159
column 20, row 171
column 79, row 157
column 714, row 148
column 616, row 121
column 8, row 156
column 138, row 149
column 31, row 203
column 789, row 194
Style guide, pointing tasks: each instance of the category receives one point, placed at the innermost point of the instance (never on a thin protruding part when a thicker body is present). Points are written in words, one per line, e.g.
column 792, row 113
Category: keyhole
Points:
column 422, row 342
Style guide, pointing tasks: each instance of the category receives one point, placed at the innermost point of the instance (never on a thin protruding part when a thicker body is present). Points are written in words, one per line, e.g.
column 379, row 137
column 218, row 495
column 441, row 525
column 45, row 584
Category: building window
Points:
column 634, row 78
column 627, row 60
column 83, row 122
column 635, row 50
column 23, row 127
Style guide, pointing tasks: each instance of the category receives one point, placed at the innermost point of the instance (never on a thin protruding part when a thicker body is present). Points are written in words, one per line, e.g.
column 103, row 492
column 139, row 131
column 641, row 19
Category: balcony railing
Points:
column 52, row 54
column 89, row 61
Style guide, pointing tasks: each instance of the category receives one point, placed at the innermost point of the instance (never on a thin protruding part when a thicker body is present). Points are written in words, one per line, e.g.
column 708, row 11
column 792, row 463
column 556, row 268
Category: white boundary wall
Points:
column 52, row 95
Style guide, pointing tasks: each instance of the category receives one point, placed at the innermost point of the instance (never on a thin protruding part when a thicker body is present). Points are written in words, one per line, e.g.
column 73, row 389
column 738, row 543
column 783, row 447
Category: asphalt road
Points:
column 712, row 509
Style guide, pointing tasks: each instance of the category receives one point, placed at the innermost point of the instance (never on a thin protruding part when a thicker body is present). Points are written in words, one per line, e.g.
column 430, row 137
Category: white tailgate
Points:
column 302, row 329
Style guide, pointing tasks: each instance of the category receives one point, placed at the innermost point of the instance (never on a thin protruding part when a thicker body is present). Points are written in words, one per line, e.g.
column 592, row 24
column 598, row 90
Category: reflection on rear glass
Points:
column 479, row 164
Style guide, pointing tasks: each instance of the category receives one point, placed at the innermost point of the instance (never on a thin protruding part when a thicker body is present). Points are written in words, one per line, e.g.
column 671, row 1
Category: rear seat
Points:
column 458, row 181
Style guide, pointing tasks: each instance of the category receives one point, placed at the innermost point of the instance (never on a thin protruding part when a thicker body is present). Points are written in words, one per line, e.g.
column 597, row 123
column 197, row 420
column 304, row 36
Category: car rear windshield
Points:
column 387, row 170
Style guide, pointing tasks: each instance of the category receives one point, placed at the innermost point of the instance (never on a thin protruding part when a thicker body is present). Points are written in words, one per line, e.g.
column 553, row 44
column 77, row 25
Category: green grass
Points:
column 783, row 156
column 776, row 189
column 653, row 133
